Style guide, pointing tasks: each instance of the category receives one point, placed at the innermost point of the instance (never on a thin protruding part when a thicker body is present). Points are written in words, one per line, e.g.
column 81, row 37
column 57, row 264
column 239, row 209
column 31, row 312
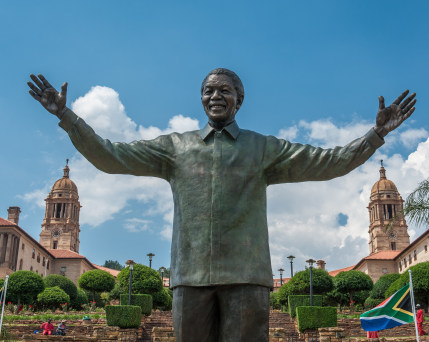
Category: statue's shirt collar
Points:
column 232, row 129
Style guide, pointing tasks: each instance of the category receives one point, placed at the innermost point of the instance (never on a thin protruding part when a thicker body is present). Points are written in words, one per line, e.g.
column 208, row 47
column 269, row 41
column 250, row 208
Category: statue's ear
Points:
column 239, row 102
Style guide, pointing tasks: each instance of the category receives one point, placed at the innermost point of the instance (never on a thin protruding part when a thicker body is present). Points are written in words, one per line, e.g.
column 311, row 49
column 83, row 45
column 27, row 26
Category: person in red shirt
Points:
column 47, row 327
column 420, row 319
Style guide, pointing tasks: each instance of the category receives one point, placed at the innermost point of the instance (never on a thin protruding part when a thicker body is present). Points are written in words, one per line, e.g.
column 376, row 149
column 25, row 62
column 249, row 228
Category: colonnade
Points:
column 9, row 246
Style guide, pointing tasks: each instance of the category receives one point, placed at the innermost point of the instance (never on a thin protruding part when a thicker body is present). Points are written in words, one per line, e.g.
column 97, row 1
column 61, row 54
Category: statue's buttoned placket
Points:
column 216, row 206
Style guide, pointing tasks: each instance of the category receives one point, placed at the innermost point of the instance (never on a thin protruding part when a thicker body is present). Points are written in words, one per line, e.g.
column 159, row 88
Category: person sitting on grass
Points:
column 61, row 330
column 47, row 328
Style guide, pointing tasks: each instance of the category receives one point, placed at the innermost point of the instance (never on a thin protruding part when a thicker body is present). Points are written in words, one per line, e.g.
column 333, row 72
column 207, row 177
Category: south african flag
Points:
column 395, row 310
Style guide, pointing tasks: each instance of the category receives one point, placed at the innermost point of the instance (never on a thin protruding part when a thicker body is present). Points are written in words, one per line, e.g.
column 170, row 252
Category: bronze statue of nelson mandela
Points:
column 220, row 260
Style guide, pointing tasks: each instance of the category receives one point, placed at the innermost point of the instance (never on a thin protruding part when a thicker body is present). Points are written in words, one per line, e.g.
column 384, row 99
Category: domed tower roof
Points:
column 65, row 183
column 384, row 185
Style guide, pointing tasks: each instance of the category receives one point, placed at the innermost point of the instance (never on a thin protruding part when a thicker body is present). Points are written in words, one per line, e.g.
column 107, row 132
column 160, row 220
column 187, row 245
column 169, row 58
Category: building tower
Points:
column 60, row 227
column 386, row 202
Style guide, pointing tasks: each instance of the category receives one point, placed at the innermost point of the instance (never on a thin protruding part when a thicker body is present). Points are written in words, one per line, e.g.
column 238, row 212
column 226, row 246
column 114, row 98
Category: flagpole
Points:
column 4, row 301
column 413, row 304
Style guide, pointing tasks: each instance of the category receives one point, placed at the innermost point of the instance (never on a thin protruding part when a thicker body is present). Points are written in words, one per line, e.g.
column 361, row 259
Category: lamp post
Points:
column 311, row 262
column 150, row 255
column 281, row 270
column 162, row 269
column 130, row 264
column 291, row 257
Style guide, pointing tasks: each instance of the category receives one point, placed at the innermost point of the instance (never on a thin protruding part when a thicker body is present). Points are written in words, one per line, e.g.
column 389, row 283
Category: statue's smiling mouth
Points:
column 217, row 107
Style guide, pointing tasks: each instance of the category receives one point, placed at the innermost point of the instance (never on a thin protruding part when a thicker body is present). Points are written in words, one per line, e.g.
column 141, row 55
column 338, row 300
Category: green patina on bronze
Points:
column 219, row 181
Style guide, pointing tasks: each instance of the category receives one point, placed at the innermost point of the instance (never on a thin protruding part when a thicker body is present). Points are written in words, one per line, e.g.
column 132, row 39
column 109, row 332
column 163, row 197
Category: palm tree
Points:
column 416, row 206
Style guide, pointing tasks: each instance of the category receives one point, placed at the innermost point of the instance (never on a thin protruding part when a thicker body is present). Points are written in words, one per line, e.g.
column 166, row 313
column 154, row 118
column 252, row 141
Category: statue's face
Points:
column 220, row 100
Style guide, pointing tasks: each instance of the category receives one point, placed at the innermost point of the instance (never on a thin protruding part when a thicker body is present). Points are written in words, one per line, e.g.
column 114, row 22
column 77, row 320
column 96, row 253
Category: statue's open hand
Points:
column 389, row 118
column 52, row 100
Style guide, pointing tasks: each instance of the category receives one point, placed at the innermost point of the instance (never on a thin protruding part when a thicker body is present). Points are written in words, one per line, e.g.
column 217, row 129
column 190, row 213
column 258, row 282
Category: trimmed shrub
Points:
column 300, row 282
column 351, row 282
column 383, row 284
column 313, row 317
column 96, row 281
column 301, row 300
column 143, row 300
column 123, row 316
column 420, row 273
column 274, row 301
column 283, row 294
column 52, row 297
column 24, row 286
column 81, row 298
column 145, row 280
column 162, row 300
column 63, row 282
column 116, row 292
column 372, row 302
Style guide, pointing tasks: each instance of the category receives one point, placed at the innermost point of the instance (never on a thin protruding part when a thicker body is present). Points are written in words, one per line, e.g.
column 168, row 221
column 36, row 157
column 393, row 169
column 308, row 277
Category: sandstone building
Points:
column 57, row 251
column 390, row 250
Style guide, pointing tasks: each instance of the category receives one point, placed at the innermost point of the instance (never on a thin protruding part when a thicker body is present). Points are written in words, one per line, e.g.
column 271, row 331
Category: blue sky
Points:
column 312, row 73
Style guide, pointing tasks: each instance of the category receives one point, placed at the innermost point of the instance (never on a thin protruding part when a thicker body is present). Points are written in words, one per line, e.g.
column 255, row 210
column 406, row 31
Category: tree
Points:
column 96, row 281
column 274, row 301
column 416, row 206
column 81, row 298
column 382, row 285
column 351, row 282
column 162, row 300
column 63, row 283
column 24, row 285
column 145, row 280
column 300, row 282
column 116, row 292
column 283, row 294
column 420, row 274
column 113, row 264
column 52, row 297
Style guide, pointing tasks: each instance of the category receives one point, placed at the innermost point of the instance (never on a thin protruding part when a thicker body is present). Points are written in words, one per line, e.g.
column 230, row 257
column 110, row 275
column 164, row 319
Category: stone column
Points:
column 8, row 249
column 2, row 251
column 15, row 254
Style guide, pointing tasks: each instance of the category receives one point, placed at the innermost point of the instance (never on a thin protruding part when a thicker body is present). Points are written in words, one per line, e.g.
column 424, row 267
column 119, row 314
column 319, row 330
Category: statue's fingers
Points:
column 64, row 89
column 45, row 81
column 37, row 81
column 408, row 114
column 401, row 97
column 407, row 100
column 34, row 88
column 409, row 106
column 381, row 102
column 35, row 96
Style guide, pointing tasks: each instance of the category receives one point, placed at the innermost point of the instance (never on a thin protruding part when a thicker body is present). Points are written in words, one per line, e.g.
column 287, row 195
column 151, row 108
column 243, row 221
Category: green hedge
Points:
column 313, row 317
column 123, row 316
column 143, row 300
column 302, row 300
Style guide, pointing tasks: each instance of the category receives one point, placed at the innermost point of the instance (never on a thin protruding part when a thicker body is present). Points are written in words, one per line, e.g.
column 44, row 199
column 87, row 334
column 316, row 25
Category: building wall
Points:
column 377, row 268
column 33, row 258
column 412, row 256
column 74, row 268
column 20, row 256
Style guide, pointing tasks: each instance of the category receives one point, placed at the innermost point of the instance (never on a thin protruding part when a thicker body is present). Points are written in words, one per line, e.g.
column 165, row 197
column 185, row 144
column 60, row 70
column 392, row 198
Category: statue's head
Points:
column 222, row 95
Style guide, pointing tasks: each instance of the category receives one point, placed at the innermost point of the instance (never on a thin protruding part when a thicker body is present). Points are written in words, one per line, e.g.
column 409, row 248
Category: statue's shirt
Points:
column 219, row 182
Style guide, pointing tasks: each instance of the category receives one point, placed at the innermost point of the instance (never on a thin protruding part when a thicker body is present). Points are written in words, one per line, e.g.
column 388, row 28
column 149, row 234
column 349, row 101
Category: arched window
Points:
column 20, row 264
